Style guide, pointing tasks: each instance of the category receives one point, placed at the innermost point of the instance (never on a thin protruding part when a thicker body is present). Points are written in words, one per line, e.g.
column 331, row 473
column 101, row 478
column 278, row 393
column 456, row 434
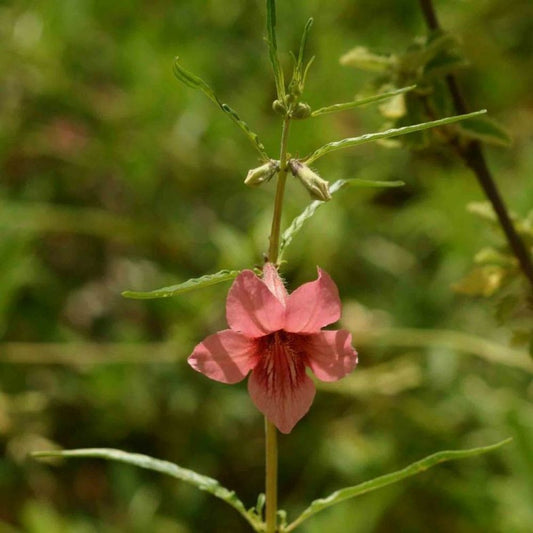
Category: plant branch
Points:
column 271, row 443
column 472, row 155
column 273, row 250
column 271, row 486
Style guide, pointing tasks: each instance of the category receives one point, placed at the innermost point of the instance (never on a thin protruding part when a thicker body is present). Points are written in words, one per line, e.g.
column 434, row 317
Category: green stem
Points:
column 271, row 477
column 271, row 484
column 273, row 249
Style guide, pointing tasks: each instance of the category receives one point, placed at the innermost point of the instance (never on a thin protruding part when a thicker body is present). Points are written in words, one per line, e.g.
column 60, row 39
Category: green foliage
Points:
column 394, row 132
column 207, row 484
column 497, row 276
column 273, row 49
column 297, row 83
column 360, row 102
column 193, row 81
column 114, row 178
column 388, row 479
column 485, row 130
column 186, row 286
column 425, row 63
column 297, row 224
column 253, row 516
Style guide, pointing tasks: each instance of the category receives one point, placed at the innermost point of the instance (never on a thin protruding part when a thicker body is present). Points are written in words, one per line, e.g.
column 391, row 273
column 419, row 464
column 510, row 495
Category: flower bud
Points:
column 257, row 176
column 301, row 110
column 279, row 107
column 317, row 187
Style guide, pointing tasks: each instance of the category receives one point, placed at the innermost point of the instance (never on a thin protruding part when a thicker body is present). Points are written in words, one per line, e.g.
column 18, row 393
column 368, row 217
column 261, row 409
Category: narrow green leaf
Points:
column 416, row 58
column 394, row 132
column 260, row 505
column 388, row 479
column 306, row 70
column 303, row 43
column 310, row 210
column 372, row 184
column 445, row 63
column 254, row 138
column 486, row 130
column 195, row 82
column 415, row 113
column 273, row 49
column 438, row 42
column 186, row 286
column 201, row 482
column 363, row 101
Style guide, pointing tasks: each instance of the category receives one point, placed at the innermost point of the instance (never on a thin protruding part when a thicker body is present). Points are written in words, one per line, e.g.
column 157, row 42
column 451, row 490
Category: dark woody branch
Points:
column 472, row 155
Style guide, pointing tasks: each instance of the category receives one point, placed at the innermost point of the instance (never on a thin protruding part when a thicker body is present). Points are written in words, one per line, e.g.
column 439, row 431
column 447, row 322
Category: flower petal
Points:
column 275, row 283
column 313, row 305
column 283, row 411
column 330, row 354
column 251, row 309
column 278, row 385
column 226, row 356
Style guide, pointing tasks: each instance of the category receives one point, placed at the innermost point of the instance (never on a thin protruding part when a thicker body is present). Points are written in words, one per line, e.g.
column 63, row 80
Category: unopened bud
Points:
column 279, row 107
column 317, row 187
column 301, row 110
column 257, row 176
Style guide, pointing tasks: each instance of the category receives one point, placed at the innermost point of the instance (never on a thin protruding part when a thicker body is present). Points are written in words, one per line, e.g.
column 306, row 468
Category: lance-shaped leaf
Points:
column 195, row 82
column 362, row 101
column 273, row 49
column 310, row 210
column 297, row 84
column 389, row 479
column 445, row 63
column 486, row 130
column 394, row 132
column 303, row 42
column 201, row 482
column 186, row 286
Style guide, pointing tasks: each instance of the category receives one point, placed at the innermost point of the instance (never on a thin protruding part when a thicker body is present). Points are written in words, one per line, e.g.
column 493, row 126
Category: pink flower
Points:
column 276, row 336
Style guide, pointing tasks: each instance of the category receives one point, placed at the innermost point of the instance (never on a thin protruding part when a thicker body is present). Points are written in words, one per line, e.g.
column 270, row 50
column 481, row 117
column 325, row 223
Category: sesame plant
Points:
column 275, row 336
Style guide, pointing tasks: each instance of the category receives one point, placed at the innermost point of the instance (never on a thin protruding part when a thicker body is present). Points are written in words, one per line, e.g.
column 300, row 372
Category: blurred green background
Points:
column 114, row 176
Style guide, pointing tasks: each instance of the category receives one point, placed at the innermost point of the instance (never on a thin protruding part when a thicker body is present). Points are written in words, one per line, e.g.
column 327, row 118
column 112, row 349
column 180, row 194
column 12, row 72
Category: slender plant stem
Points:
column 271, row 446
column 273, row 249
column 472, row 155
column 271, row 486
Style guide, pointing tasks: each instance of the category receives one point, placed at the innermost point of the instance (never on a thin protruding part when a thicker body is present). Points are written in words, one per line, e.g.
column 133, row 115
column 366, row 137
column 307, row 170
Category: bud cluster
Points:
column 292, row 108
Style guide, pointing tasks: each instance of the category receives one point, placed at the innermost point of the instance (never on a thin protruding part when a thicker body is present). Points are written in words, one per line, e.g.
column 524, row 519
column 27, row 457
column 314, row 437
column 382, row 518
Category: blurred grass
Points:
column 113, row 177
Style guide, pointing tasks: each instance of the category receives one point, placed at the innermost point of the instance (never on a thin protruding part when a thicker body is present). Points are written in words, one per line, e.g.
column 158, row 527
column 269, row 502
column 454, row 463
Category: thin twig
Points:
column 474, row 158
